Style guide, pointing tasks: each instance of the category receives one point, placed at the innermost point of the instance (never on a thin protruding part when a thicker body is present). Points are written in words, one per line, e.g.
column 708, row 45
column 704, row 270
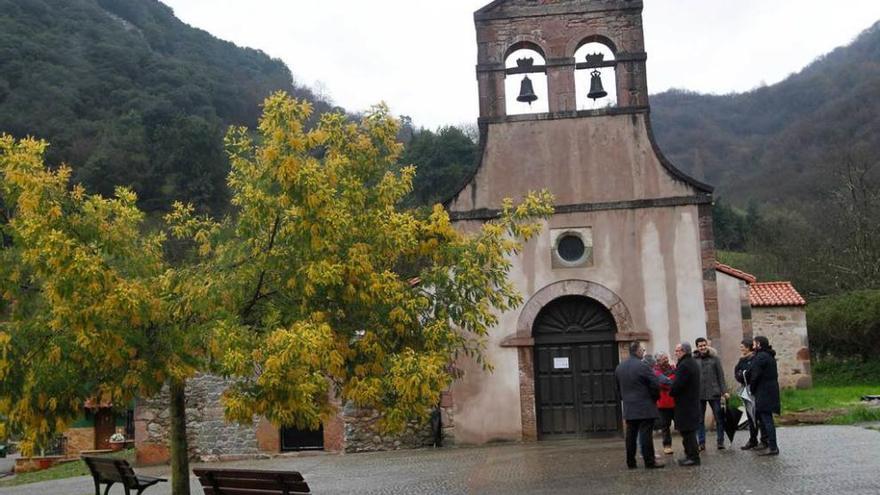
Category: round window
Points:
column 570, row 248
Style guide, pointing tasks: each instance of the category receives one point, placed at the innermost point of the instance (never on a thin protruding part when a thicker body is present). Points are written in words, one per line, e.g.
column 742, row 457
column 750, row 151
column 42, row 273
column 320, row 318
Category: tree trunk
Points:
column 179, row 454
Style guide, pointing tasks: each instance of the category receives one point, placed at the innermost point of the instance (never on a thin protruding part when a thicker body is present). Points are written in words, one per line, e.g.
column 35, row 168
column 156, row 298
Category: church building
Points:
column 628, row 254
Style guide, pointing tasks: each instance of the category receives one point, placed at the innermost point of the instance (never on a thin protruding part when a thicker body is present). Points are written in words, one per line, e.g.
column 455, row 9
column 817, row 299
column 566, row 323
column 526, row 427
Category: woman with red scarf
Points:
column 665, row 372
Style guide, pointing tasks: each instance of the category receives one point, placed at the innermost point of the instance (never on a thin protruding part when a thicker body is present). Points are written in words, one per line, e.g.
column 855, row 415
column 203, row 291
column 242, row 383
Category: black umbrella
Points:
column 731, row 417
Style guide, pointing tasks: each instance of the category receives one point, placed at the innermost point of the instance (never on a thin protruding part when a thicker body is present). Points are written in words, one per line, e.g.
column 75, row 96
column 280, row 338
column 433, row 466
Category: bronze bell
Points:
column 526, row 92
column 596, row 89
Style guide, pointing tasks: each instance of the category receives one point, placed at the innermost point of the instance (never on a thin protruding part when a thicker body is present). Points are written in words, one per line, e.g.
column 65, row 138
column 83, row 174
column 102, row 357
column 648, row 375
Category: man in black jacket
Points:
column 764, row 384
column 639, row 391
column 686, row 391
column 741, row 373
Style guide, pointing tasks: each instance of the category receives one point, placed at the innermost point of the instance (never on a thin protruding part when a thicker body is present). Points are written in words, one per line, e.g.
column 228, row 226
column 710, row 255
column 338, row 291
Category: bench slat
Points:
column 248, row 473
column 256, row 484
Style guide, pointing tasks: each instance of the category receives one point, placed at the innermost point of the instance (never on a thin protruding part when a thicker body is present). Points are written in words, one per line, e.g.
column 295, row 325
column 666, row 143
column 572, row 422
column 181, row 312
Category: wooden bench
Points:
column 110, row 471
column 251, row 482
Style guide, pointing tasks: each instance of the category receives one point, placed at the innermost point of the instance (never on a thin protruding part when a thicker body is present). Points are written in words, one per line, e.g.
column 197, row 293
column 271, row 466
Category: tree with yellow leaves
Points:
column 339, row 291
column 317, row 286
column 90, row 307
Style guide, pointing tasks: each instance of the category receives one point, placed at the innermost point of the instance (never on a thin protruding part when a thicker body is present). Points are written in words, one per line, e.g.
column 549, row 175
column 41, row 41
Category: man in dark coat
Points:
column 639, row 391
column 741, row 373
column 764, row 384
column 686, row 391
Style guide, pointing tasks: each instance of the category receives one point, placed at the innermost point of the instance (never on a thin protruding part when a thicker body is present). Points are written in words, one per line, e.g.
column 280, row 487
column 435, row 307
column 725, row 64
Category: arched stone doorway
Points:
column 575, row 354
column 524, row 341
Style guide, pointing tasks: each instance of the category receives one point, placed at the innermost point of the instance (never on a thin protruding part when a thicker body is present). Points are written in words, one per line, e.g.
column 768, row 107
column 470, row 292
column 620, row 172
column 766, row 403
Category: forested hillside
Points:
column 804, row 156
column 128, row 94
column 778, row 143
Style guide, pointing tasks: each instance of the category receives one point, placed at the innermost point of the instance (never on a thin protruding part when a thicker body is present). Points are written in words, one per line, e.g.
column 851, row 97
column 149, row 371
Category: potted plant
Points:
column 117, row 441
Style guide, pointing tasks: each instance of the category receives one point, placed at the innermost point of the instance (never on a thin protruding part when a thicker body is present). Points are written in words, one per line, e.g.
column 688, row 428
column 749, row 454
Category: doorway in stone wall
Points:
column 575, row 357
column 296, row 439
column 105, row 426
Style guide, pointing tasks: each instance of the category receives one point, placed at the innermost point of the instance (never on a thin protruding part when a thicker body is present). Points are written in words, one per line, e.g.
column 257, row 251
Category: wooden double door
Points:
column 575, row 357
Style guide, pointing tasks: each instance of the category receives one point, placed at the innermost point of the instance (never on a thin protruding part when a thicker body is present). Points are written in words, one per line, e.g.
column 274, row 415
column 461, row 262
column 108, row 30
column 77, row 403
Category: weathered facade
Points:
column 646, row 269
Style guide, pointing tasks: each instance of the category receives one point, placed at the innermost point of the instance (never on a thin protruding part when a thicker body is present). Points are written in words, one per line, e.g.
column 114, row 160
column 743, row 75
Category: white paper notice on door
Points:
column 560, row 363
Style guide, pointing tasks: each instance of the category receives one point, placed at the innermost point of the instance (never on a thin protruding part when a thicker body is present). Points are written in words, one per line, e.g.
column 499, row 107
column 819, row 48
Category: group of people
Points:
column 657, row 393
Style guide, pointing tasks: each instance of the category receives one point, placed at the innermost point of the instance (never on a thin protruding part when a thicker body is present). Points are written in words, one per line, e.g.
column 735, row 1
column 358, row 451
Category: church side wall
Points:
column 730, row 312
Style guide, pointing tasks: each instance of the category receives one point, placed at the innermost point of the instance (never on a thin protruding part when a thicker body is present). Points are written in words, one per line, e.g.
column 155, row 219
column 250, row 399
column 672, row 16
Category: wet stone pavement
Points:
column 814, row 460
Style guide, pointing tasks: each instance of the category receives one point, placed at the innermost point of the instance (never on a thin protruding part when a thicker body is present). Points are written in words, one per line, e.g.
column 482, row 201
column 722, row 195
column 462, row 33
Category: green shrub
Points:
column 845, row 372
column 846, row 326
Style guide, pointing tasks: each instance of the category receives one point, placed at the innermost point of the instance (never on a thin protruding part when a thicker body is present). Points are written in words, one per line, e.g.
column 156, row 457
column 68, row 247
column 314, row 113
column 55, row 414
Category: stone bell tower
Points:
column 629, row 253
column 556, row 29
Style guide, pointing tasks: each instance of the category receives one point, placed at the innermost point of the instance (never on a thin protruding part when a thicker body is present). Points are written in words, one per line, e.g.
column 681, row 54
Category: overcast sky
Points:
column 419, row 55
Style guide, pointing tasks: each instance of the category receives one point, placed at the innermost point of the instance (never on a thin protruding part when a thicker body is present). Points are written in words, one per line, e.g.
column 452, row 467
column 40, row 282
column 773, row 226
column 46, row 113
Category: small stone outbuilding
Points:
column 779, row 313
column 776, row 310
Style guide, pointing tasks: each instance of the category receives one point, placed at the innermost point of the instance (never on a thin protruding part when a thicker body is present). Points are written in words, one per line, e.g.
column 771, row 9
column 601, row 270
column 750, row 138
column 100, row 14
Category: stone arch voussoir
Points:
column 585, row 288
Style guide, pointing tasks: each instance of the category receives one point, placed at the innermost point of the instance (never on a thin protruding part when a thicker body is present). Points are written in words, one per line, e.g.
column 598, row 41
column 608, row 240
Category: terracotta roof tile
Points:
column 774, row 294
column 94, row 404
column 733, row 272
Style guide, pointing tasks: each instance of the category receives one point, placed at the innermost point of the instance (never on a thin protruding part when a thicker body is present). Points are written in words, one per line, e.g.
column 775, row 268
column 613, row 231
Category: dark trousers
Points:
column 666, row 416
column 689, row 442
column 765, row 422
column 715, row 404
column 754, row 429
column 638, row 431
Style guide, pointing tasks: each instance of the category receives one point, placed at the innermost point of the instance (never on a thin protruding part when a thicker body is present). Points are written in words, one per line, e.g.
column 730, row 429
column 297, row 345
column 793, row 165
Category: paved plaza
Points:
column 817, row 459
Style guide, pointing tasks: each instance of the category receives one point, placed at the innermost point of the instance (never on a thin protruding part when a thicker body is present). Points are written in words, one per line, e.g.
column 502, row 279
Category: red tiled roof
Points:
column 94, row 404
column 733, row 272
column 774, row 294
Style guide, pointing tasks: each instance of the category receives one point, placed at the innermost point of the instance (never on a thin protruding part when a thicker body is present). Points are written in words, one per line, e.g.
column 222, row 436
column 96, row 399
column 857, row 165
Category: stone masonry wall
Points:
column 786, row 328
column 210, row 436
column 362, row 434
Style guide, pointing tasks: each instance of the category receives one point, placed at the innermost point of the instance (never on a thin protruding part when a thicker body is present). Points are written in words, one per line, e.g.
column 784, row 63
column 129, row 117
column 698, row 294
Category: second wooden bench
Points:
column 218, row 481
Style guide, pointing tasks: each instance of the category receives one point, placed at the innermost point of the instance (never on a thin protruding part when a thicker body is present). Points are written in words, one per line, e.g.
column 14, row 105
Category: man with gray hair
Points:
column 686, row 392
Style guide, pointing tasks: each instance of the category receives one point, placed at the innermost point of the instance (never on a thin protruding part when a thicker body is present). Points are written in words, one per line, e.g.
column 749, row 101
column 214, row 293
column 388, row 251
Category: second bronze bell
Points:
column 526, row 91
column 596, row 89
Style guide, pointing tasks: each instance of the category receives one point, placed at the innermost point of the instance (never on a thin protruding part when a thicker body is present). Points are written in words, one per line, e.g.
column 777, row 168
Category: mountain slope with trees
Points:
column 129, row 94
column 778, row 143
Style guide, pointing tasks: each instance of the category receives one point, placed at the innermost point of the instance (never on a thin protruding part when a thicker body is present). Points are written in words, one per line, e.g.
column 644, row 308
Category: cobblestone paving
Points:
column 814, row 460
